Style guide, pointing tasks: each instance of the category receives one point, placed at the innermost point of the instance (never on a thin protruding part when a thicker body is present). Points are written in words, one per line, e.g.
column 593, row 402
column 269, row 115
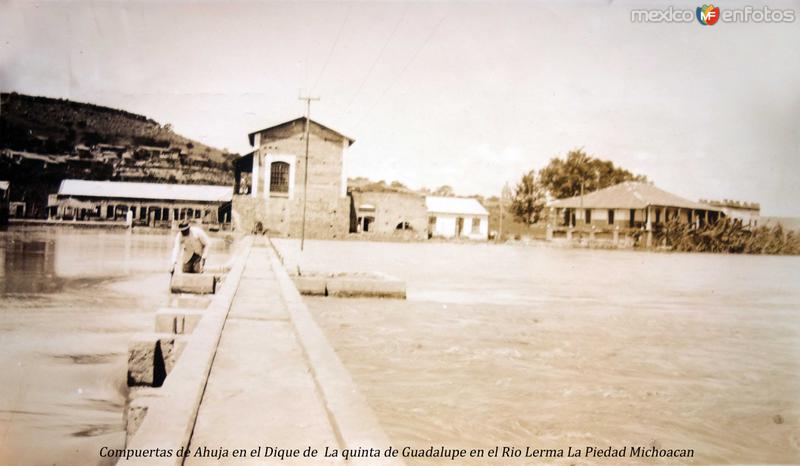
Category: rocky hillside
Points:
column 56, row 126
column 45, row 140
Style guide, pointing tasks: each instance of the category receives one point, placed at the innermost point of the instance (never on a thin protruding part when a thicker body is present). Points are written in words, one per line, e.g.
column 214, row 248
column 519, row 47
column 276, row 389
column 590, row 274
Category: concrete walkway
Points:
column 261, row 391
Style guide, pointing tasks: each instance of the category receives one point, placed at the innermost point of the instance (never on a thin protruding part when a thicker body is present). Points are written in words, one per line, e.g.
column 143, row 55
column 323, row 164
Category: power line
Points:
column 402, row 72
column 377, row 59
column 333, row 47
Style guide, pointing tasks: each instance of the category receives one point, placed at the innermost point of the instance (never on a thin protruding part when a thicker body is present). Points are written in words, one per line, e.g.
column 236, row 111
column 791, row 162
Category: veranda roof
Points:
column 629, row 195
column 137, row 190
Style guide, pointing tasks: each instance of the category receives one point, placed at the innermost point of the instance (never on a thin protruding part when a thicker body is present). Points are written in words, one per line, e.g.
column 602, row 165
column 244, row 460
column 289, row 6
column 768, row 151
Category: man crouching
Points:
column 191, row 248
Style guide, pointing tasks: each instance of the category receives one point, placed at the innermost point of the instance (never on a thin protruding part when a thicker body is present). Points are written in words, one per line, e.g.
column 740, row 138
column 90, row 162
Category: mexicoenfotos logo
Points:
column 708, row 15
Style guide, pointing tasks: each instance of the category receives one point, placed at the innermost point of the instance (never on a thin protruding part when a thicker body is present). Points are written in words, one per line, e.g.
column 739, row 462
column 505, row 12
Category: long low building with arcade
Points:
column 153, row 204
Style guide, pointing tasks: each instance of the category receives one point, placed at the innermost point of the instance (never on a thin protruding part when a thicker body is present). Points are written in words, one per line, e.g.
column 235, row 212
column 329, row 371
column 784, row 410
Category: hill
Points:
column 44, row 140
column 56, row 126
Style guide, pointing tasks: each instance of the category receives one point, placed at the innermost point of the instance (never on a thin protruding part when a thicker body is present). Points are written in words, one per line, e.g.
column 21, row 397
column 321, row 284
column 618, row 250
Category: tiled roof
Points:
column 629, row 195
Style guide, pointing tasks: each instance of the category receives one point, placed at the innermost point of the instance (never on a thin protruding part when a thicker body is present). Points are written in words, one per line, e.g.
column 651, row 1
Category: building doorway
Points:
column 459, row 226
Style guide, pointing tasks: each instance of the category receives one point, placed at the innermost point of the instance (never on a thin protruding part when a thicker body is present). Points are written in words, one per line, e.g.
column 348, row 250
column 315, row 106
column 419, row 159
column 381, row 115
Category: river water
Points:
column 551, row 348
column 69, row 302
column 496, row 345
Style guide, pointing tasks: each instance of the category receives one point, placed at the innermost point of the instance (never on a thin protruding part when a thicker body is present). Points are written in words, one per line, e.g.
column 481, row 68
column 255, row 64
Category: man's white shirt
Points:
column 196, row 242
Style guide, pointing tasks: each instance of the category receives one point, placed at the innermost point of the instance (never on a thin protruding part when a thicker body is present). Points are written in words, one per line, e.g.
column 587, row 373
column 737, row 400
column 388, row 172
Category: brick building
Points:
column 270, row 182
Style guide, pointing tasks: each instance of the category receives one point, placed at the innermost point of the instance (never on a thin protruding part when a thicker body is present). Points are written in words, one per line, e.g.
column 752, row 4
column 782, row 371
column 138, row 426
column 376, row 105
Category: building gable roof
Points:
column 251, row 136
column 454, row 205
column 629, row 195
column 136, row 190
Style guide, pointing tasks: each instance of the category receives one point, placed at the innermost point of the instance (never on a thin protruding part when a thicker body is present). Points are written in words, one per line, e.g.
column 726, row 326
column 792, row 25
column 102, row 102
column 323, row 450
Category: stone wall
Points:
column 393, row 209
column 284, row 217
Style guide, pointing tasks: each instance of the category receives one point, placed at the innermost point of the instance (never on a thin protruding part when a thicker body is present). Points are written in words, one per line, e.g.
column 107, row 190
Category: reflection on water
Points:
column 512, row 345
column 69, row 302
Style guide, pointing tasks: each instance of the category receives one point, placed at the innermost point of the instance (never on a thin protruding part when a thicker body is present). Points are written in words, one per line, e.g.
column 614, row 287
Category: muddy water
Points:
column 69, row 302
column 550, row 348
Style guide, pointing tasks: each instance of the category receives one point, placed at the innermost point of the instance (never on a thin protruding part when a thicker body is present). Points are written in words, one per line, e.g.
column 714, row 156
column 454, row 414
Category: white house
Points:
column 457, row 217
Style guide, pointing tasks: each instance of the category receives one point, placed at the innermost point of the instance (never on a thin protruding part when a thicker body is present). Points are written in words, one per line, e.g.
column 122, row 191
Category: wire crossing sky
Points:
column 470, row 95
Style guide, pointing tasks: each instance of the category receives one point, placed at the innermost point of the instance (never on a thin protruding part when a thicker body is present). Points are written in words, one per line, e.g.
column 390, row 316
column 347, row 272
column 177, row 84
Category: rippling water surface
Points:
column 69, row 302
column 533, row 346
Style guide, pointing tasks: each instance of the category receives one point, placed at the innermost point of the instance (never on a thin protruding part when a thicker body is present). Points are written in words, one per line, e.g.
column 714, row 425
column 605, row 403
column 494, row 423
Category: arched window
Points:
column 279, row 177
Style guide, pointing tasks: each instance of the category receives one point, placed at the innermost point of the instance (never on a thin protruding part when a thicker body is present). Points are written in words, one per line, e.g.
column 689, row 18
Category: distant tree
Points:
column 563, row 178
column 444, row 191
column 379, row 186
column 397, row 185
column 528, row 199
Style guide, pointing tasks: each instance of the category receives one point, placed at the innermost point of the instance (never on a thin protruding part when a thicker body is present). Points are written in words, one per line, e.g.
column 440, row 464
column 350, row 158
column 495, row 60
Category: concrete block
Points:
column 171, row 347
column 136, row 407
column 313, row 286
column 134, row 415
column 343, row 287
column 177, row 321
column 151, row 357
column 189, row 301
column 198, row 283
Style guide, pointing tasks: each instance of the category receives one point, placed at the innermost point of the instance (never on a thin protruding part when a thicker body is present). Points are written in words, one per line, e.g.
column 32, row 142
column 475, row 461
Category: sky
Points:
column 466, row 94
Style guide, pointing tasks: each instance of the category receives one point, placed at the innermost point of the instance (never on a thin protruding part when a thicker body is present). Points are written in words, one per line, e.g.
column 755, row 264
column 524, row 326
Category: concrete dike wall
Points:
column 163, row 417
column 250, row 370
column 354, row 422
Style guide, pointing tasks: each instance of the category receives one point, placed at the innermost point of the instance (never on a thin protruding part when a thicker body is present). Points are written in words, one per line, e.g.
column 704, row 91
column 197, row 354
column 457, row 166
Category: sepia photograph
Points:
column 453, row 232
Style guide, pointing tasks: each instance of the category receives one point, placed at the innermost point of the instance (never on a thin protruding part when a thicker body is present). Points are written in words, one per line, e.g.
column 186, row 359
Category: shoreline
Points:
column 558, row 243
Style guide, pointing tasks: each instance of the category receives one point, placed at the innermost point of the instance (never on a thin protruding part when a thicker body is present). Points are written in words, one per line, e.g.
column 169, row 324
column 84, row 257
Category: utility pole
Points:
column 504, row 194
column 308, row 100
